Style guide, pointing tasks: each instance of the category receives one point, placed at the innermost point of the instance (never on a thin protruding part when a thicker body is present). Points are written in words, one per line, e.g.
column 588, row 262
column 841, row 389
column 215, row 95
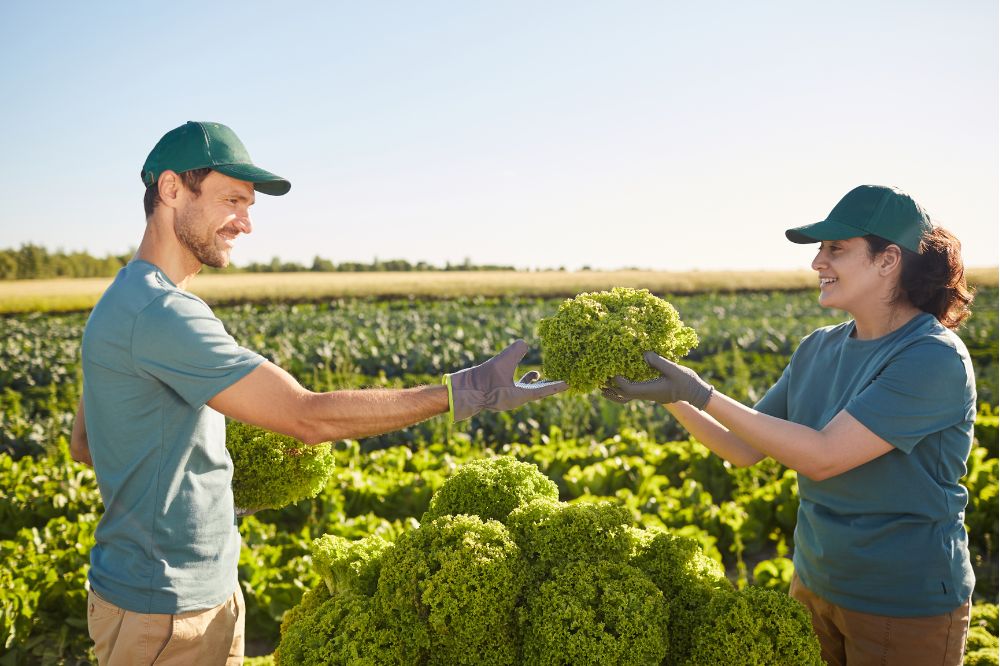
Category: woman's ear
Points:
column 890, row 260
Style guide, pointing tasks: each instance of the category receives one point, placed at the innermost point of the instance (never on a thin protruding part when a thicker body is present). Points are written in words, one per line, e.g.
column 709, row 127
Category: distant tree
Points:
column 32, row 261
column 321, row 265
column 8, row 265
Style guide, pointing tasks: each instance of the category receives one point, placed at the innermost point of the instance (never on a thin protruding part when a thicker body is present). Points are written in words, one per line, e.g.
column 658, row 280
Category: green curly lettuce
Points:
column 598, row 335
column 271, row 470
column 755, row 627
column 986, row 616
column 688, row 579
column 349, row 567
column 595, row 613
column 981, row 657
column 490, row 489
column 551, row 533
column 558, row 583
column 449, row 590
column 340, row 629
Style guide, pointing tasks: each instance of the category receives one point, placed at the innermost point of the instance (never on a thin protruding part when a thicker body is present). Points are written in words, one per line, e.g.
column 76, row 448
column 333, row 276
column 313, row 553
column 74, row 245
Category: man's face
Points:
column 208, row 224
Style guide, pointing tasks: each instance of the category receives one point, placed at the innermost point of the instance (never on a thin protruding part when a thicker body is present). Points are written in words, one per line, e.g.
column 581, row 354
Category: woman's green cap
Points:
column 197, row 145
column 870, row 209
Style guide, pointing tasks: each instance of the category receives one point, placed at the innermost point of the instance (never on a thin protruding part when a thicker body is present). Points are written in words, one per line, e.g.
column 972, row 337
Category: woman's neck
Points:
column 883, row 321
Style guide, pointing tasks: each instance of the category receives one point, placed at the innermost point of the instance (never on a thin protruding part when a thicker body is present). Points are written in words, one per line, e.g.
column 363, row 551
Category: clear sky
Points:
column 651, row 133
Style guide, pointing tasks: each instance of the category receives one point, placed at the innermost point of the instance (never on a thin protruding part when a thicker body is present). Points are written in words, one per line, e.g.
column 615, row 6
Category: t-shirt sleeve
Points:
column 921, row 390
column 775, row 401
column 179, row 341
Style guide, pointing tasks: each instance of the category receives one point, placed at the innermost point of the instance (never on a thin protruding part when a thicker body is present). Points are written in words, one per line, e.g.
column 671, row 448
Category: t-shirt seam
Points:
column 135, row 323
column 252, row 362
column 154, row 522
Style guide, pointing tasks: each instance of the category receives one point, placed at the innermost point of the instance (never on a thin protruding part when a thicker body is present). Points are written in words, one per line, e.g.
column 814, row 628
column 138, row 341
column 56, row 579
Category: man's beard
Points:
column 203, row 249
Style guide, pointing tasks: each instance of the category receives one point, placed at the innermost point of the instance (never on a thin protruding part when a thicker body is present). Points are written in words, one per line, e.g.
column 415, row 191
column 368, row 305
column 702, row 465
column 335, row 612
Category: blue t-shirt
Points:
column 886, row 537
column 153, row 355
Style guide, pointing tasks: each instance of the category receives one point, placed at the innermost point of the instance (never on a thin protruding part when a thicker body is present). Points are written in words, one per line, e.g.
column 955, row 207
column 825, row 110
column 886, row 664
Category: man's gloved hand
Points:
column 676, row 383
column 491, row 385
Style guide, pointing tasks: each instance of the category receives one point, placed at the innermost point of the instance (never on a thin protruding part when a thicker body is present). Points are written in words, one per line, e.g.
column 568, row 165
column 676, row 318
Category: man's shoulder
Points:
column 143, row 291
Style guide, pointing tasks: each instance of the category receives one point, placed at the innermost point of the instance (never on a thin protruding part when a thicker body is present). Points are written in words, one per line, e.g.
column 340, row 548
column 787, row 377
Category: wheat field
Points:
column 76, row 294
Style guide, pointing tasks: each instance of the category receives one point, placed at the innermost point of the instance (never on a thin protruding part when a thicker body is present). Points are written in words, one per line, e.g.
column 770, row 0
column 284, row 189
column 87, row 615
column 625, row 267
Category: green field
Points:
column 592, row 449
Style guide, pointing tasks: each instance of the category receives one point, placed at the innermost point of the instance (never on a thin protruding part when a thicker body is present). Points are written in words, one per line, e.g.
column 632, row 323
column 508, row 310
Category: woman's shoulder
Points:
column 930, row 336
column 827, row 333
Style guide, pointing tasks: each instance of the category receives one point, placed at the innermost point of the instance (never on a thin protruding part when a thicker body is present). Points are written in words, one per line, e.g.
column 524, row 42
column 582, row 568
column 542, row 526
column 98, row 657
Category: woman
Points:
column 876, row 416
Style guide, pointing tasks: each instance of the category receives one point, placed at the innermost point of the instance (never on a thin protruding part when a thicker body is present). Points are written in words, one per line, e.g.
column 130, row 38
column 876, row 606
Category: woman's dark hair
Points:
column 191, row 179
column 933, row 279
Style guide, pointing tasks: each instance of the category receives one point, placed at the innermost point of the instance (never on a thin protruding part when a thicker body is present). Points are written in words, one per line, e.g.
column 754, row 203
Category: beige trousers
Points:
column 850, row 638
column 125, row 638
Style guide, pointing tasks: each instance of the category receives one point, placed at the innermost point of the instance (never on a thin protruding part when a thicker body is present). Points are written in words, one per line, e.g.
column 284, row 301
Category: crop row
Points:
column 746, row 340
column 743, row 518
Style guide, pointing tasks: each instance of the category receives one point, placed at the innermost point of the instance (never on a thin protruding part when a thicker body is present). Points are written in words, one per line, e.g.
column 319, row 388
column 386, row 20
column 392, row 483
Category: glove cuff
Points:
column 464, row 401
column 702, row 402
column 446, row 380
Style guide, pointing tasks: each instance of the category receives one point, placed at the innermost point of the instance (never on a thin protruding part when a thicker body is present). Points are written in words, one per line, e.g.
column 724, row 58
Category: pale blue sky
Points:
column 660, row 134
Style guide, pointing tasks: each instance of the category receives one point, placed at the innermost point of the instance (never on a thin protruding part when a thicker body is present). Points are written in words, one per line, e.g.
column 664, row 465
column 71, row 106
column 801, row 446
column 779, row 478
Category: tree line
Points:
column 32, row 261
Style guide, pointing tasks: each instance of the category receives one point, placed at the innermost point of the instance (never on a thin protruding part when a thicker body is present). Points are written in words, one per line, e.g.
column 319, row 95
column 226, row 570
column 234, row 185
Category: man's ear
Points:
column 169, row 187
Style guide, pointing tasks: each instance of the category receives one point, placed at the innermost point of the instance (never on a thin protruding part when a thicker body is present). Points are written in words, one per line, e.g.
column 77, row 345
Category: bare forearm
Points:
column 362, row 413
column 714, row 435
column 796, row 446
column 79, row 446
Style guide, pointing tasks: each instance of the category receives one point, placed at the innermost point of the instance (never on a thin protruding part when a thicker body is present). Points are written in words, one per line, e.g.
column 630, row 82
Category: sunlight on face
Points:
column 208, row 224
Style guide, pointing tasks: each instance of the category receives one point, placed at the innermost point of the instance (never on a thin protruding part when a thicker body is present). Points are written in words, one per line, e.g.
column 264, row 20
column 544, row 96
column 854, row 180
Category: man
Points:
column 159, row 373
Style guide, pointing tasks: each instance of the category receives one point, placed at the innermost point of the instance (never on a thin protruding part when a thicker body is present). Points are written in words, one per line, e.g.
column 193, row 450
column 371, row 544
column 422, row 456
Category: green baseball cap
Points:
column 196, row 145
column 870, row 209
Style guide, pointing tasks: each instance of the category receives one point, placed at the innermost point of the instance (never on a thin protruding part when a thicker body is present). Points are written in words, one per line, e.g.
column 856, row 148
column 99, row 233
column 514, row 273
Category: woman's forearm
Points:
column 843, row 444
column 719, row 439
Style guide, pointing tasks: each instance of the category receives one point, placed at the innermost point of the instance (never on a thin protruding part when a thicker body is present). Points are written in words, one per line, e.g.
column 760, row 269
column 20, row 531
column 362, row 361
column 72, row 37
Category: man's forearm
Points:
column 272, row 399
column 353, row 414
column 79, row 446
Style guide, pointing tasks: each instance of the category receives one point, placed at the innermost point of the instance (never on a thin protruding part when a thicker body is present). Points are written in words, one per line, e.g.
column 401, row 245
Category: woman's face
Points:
column 848, row 278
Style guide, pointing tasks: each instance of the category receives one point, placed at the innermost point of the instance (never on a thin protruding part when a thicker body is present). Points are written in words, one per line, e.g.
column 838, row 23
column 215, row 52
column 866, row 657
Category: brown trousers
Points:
column 850, row 638
column 125, row 638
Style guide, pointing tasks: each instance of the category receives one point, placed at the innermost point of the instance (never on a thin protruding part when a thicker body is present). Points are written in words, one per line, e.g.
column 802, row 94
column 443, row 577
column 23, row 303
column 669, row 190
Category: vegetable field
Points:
column 593, row 450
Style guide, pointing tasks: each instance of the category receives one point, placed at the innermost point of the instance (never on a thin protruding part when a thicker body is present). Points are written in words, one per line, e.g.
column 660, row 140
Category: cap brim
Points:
column 822, row 231
column 263, row 181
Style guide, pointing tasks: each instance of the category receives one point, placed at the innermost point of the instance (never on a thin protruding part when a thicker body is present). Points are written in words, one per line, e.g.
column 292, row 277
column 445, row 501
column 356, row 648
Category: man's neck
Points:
column 159, row 247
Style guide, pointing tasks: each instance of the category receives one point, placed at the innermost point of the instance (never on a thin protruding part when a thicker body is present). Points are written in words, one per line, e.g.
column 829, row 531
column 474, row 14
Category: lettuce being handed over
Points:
column 598, row 335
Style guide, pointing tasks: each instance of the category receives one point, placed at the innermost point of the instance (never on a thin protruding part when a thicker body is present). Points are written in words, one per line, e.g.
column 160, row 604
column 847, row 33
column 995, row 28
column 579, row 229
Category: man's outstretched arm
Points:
column 271, row 398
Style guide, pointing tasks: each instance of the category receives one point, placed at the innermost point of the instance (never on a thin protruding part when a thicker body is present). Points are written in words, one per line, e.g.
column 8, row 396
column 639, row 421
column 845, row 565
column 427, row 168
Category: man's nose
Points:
column 243, row 223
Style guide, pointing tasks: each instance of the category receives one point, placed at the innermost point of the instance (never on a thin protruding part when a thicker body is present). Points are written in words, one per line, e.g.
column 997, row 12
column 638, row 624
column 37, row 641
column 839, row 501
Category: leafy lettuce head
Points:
column 598, row 335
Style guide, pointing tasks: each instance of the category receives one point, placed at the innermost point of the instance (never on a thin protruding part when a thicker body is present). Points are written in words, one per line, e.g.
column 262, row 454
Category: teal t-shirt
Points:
column 153, row 355
column 886, row 537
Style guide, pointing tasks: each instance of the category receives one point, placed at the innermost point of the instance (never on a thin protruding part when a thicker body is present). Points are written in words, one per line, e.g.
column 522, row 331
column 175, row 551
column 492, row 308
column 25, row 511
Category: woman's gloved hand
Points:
column 676, row 383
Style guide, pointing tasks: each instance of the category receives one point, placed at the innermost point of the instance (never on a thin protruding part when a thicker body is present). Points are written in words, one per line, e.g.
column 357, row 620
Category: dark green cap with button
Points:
column 197, row 145
column 870, row 209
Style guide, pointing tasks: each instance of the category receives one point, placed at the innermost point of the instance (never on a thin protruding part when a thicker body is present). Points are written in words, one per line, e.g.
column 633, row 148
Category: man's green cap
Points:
column 197, row 145
column 870, row 209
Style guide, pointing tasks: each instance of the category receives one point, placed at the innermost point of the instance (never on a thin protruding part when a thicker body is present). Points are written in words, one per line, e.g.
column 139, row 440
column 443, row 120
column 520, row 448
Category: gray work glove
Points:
column 676, row 383
column 491, row 385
